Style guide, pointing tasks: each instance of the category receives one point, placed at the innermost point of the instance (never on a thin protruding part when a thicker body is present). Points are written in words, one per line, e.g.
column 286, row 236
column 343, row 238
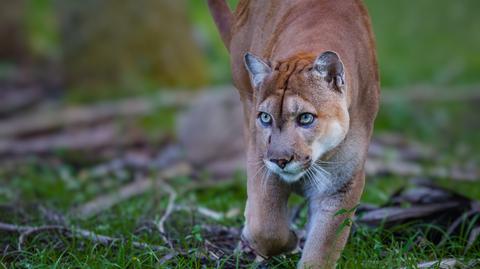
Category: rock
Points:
column 211, row 132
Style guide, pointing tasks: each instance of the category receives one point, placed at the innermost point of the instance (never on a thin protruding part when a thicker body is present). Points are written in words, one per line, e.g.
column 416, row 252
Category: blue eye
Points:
column 265, row 118
column 306, row 119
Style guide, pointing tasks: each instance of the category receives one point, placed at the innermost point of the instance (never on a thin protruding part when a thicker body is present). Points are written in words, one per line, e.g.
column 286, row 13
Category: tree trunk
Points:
column 12, row 31
column 114, row 46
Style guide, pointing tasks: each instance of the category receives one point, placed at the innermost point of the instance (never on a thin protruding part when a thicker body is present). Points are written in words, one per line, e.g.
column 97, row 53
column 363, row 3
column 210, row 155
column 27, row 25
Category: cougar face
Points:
column 301, row 112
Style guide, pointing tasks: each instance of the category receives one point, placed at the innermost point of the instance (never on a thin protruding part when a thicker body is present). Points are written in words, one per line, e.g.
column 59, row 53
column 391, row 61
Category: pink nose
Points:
column 281, row 162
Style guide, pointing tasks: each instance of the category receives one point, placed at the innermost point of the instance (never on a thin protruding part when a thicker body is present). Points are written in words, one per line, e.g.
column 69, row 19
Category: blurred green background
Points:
column 91, row 51
column 429, row 41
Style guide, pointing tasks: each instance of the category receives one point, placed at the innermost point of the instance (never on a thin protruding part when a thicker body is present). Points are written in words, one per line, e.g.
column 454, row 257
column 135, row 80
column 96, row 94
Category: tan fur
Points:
column 288, row 35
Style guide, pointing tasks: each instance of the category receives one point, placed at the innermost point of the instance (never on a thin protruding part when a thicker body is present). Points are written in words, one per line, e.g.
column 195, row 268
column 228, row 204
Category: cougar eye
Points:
column 265, row 118
column 306, row 119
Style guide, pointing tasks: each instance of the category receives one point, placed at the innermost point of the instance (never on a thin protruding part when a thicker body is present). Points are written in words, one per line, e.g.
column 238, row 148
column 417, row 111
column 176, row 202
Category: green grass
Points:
column 62, row 188
column 384, row 248
column 367, row 248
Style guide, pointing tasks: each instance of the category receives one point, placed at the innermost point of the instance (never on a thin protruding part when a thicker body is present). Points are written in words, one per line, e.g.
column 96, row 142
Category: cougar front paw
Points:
column 267, row 242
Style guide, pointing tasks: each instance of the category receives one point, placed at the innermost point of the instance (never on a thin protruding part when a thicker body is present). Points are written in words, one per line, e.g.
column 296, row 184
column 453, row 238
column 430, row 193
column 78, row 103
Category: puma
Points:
column 306, row 71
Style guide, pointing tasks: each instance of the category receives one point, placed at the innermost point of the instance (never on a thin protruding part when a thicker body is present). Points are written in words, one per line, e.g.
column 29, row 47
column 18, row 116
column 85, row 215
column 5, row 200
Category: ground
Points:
column 125, row 190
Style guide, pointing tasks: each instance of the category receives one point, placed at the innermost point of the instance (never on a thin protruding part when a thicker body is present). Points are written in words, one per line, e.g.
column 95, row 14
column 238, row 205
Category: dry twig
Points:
column 26, row 231
column 104, row 202
column 171, row 204
column 206, row 212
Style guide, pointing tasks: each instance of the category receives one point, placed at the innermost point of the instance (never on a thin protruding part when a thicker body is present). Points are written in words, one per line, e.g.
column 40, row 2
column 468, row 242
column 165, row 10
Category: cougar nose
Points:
column 281, row 162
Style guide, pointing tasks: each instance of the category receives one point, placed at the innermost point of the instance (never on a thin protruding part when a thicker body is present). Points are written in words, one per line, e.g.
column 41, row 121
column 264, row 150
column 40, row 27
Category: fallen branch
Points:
column 15, row 98
column 52, row 119
column 441, row 264
column 137, row 161
column 89, row 139
column 394, row 154
column 403, row 168
column 447, row 264
column 399, row 214
column 206, row 212
column 138, row 187
column 105, row 202
column 36, row 230
column 26, row 231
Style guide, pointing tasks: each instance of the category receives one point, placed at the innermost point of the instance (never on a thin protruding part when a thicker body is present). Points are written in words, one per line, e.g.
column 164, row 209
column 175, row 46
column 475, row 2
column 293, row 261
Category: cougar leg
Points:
column 326, row 235
column 267, row 227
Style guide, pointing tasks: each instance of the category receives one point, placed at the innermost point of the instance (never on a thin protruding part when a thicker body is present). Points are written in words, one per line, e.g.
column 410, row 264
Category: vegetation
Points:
column 63, row 188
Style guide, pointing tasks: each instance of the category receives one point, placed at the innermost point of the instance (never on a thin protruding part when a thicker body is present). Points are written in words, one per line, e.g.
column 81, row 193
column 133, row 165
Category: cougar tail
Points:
column 223, row 17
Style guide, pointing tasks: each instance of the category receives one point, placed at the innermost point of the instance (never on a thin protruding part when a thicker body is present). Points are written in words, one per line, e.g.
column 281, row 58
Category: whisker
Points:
column 313, row 179
column 331, row 162
column 258, row 170
column 320, row 172
column 308, row 174
column 256, row 162
column 321, row 179
column 265, row 178
column 318, row 167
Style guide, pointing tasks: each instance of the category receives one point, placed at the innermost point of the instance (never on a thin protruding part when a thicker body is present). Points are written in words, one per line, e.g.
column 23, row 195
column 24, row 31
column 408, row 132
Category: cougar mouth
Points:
column 292, row 172
column 290, row 178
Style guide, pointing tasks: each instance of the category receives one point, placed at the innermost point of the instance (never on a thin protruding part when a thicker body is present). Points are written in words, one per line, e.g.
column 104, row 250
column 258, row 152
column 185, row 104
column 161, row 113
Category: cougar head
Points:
column 301, row 111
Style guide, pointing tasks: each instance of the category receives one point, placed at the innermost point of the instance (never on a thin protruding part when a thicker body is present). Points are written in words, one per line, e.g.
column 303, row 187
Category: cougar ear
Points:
column 257, row 69
column 330, row 67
